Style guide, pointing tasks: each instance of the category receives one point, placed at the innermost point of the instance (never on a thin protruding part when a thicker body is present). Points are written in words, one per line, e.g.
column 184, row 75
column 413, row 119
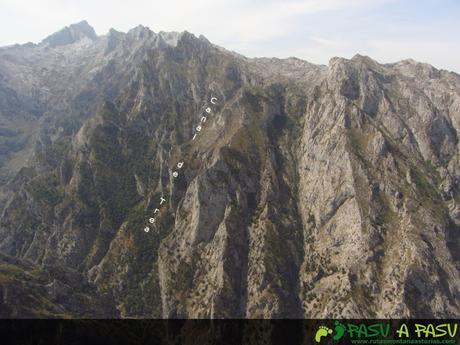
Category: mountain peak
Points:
column 84, row 27
column 71, row 34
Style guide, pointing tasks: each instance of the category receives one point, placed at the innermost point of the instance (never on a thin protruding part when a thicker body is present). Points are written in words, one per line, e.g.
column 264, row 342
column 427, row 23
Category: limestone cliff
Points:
column 311, row 191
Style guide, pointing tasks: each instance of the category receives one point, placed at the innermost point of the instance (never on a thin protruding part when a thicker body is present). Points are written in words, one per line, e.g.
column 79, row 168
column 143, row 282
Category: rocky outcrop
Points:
column 311, row 191
column 71, row 34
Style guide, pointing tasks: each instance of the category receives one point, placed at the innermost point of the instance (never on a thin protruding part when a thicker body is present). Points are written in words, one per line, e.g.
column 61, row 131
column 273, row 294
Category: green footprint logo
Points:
column 339, row 330
column 322, row 332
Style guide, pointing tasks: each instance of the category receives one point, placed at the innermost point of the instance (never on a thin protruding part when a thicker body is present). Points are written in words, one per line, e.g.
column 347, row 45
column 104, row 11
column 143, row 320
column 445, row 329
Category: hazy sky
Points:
column 315, row 30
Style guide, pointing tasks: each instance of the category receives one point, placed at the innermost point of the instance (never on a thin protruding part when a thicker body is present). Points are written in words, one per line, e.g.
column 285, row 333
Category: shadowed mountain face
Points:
column 311, row 191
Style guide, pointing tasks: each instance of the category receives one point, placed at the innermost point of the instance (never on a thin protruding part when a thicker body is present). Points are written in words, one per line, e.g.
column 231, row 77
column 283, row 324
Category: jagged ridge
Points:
column 315, row 191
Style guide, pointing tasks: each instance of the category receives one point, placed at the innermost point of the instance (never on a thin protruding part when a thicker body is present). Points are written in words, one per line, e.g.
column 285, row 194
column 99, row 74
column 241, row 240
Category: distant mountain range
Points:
column 311, row 191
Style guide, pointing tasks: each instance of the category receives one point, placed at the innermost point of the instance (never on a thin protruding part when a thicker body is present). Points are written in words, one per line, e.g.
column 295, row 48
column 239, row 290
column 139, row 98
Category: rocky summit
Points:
column 309, row 191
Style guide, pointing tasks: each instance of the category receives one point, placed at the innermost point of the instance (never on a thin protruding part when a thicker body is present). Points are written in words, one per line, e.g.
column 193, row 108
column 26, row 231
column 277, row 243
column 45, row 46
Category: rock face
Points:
column 312, row 191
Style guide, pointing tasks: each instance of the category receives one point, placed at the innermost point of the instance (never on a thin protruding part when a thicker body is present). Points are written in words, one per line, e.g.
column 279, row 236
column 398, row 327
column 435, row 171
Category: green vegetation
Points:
column 45, row 188
column 358, row 141
column 29, row 296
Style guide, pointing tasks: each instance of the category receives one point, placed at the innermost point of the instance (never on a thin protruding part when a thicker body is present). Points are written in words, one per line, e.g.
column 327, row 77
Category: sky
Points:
column 314, row 30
